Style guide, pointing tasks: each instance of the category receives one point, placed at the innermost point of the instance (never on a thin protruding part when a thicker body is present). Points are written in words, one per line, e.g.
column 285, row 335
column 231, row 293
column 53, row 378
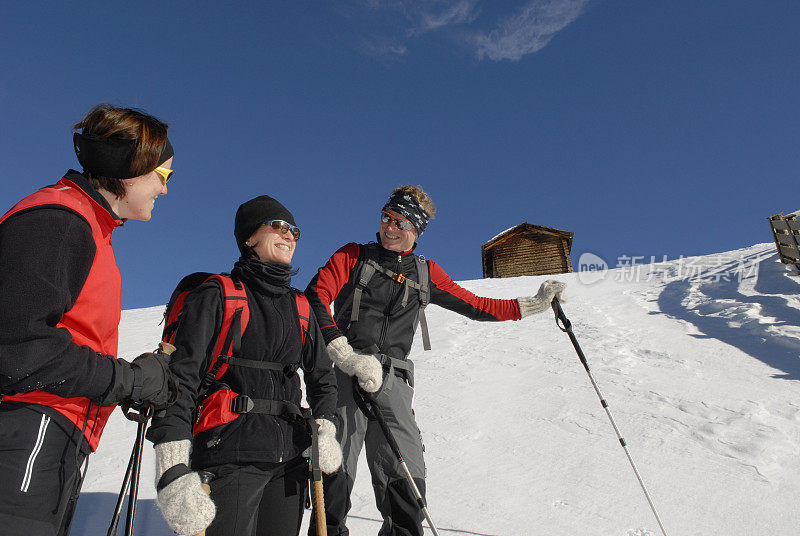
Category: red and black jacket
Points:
column 60, row 291
column 383, row 321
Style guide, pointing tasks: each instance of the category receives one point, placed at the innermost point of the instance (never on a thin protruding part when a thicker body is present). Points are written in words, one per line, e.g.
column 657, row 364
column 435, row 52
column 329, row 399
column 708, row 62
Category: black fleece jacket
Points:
column 45, row 256
column 272, row 334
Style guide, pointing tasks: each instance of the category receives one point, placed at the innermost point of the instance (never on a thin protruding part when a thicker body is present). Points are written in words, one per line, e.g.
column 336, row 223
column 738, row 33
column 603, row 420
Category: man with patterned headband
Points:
column 379, row 291
column 60, row 291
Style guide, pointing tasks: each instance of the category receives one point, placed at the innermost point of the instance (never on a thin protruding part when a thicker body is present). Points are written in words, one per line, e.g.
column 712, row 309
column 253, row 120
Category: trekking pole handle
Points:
column 565, row 325
column 319, row 507
column 165, row 348
column 205, row 481
column 560, row 316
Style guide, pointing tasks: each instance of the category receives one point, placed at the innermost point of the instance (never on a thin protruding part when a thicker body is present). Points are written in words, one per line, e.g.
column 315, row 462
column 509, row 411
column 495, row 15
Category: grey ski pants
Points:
column 393, row 497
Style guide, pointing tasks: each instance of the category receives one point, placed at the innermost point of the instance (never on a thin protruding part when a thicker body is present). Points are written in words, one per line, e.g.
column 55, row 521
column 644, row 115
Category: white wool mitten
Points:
column 365, row 367
column 185, row 505
column 330, row 452
column 530, row 305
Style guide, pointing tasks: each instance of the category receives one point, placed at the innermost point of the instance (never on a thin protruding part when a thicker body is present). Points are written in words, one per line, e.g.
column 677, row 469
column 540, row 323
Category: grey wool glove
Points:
column 185, row 505
column 365, row 367
column 531, row 305
column 330, row 452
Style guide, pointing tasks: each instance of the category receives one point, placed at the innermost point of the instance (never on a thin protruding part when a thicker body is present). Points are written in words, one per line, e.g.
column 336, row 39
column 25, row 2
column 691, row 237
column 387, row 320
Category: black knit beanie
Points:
column 252, row 214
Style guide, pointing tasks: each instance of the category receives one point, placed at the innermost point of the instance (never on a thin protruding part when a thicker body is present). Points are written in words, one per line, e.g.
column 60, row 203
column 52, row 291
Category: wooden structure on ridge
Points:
column 786, row 232
column 527, row 250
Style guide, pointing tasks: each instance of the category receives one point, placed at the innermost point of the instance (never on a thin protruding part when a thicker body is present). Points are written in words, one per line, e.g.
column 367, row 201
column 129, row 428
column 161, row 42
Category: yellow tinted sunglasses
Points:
column 164, row 173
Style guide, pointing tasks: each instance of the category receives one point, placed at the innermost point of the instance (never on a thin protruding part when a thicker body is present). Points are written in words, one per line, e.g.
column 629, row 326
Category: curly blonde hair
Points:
column 420, row 195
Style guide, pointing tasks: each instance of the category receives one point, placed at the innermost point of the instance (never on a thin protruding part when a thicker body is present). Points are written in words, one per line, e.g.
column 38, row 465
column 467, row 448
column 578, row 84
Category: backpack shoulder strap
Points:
column 236, row 314
column 369, row 252
column 304, row 314
column 368, row 268
column 424, row 298
column 424, row 280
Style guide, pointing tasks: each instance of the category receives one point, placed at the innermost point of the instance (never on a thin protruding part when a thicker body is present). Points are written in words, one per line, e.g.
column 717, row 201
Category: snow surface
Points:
column 701, row 371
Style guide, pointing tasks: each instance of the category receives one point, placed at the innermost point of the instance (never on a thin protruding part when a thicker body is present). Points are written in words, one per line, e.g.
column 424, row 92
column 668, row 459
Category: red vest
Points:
column 93, row 320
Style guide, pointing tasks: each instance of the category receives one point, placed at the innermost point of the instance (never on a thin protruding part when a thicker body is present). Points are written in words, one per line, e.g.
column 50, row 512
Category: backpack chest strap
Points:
column 288, row 368
column 398, row 278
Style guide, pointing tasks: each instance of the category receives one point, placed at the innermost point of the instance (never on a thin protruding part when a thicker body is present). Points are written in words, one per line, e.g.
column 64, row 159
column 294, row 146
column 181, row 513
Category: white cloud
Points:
column 528, row 31
column 453, row 13
column 396, row 23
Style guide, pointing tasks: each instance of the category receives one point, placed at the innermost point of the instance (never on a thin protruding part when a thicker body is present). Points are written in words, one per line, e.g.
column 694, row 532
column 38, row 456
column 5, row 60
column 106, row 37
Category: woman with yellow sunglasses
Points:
column 59, row 313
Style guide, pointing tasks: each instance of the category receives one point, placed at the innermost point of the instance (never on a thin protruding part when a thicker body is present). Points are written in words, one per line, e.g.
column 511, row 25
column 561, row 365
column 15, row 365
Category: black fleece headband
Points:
column 407, row 206
column 111, row 157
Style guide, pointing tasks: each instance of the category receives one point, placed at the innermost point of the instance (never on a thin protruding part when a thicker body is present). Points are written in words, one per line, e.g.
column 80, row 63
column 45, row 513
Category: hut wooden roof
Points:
column 528, row 227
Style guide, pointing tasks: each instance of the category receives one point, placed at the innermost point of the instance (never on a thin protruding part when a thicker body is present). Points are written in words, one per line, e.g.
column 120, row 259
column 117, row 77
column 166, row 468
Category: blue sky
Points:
column 646, row 127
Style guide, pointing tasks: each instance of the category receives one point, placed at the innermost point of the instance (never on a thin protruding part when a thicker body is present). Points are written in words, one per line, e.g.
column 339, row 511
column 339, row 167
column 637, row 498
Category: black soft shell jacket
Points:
column 272, row 334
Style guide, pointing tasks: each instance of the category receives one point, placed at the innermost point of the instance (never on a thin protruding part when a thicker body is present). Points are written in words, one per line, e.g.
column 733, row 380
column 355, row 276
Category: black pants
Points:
column 39, row 473
column 258, row 500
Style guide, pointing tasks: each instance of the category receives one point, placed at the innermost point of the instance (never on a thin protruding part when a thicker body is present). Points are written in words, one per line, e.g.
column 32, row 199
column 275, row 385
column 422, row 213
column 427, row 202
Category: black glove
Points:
column 148, row 379
column 153, row 381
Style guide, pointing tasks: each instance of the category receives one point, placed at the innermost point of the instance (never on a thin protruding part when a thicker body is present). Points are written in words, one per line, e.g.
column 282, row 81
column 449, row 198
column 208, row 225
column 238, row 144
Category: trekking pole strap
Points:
column 562, row 320
column 316, row 473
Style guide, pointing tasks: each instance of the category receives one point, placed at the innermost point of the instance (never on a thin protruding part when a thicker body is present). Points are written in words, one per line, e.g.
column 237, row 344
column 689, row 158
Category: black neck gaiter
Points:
column 272, row 277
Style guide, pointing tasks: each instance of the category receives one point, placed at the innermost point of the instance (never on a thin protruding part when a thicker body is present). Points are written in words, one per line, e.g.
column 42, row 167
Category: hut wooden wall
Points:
column 786, row 231
column 529, row 254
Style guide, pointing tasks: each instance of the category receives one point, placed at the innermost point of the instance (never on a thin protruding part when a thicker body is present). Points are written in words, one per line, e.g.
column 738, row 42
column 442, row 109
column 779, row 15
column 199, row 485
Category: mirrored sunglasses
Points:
column 164, row 173
column 284, row 227
column 400, row 223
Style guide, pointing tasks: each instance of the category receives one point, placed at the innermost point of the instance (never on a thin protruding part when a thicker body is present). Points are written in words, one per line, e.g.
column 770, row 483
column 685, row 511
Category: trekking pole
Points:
column 566, row 326
column 396, row 449
column 315, row 474
column 126, row 481
column 131, row 479
column 137, row 468
column 319, row 507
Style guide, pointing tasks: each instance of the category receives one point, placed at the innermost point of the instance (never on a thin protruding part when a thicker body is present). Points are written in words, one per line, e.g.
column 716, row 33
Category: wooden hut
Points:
column 527, row 250
column 786, row 232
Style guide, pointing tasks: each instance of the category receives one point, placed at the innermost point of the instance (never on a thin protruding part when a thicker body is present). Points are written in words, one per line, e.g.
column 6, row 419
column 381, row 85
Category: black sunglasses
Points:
column 284, row 227
column 400, row 223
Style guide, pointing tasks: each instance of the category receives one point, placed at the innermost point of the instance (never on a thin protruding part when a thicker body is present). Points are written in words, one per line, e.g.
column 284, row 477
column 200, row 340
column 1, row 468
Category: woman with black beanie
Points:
column 258, row 472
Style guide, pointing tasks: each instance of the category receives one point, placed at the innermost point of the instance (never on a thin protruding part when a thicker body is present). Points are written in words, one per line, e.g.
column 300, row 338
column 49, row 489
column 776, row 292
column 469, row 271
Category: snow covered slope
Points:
column 698, row 358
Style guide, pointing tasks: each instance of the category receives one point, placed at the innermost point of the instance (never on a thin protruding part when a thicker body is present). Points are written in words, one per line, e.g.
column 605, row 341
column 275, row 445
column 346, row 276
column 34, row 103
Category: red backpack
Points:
column 224, row 405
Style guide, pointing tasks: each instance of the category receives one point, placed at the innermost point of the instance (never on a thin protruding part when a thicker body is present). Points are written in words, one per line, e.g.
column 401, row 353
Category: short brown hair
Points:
column 420, row 195
column 107, row 121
